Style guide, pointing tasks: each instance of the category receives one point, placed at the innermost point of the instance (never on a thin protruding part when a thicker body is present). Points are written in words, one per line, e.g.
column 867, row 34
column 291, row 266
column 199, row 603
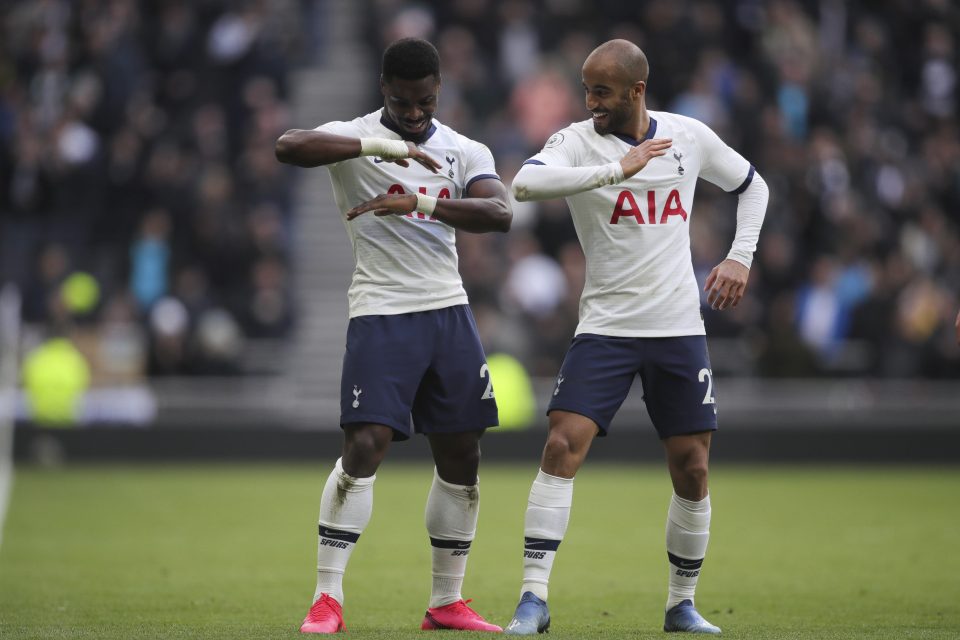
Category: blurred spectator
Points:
column 150, row 257
column 55, row 378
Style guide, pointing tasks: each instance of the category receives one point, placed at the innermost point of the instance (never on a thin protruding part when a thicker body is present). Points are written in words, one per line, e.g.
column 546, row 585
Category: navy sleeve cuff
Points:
column 746, row 181
column 482, row 176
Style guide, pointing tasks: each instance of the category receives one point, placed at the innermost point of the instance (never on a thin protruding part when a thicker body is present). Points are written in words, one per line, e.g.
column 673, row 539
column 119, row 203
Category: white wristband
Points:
column 426, row 204
column 384, row 148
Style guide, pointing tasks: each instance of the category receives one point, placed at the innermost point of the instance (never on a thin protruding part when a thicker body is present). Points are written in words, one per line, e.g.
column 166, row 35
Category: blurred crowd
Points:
column 849, row 110
column 139, row 196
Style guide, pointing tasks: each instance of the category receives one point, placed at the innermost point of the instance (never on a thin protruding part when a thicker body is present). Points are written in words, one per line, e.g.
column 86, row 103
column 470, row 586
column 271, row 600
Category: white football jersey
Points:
column 404, row 263
column 636, row 234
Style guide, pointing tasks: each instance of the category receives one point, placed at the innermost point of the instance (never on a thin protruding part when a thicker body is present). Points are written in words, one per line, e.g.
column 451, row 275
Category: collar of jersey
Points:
column 651, row 131
column 390, row 124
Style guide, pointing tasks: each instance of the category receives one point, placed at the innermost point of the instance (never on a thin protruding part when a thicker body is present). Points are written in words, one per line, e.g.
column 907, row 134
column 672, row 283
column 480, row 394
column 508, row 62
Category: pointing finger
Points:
column 428, row 165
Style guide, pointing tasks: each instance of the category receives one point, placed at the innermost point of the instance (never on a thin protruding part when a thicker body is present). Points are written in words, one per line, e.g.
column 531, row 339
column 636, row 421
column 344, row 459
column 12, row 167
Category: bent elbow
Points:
column 504, row 217
column 283, row 150
column 506, row 220
column 521, row 193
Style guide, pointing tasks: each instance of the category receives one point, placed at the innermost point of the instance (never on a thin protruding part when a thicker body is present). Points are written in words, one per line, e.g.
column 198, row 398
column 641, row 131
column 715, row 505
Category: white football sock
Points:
column 548, row 512
column 688, row 531
column 345, row 508
column 451, row 519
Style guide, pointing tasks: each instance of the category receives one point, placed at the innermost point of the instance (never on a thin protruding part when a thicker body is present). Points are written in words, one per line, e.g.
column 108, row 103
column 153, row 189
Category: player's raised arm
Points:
column 312, row 148
column 538, row 181
column 485, row 207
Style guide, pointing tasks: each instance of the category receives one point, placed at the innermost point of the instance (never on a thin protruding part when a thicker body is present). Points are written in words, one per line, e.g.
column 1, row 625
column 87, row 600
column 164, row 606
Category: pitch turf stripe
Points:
column 540, row 544
column 450, row 544
column 338, row 534
column 683, row 563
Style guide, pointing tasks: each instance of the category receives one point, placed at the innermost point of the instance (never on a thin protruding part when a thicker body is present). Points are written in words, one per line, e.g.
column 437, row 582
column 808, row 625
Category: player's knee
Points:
column 464, row 458
column 364, row 449
column 562, row 448
column 693, row 472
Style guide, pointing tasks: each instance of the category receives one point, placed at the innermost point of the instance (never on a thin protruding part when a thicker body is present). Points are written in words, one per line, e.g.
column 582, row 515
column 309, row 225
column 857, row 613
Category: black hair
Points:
column 410, row 59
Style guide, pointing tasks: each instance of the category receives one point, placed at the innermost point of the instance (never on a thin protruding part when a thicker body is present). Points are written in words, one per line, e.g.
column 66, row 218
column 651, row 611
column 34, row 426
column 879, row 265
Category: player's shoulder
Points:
column 366, row 124
column 677, row 122
column 449, row 137
column 575, row 133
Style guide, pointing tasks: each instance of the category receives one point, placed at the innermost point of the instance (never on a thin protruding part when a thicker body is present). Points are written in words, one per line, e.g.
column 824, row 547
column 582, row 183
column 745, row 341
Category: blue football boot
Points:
column 532, row 616
column 684, row 617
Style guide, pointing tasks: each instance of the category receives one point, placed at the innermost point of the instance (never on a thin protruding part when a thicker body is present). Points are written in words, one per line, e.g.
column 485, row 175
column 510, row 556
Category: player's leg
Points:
column 346, row 503
column 688, row 529
column 453, row 406
column 453, row 506
column 345, row 508
column 377, row 389
column 678, row 390
column 688, row 517
column 594, row 380
column 548, row 514
column 551, row 496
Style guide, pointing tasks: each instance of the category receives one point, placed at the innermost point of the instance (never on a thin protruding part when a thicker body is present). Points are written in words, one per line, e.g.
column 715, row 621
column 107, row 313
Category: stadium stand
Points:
column 136, row 147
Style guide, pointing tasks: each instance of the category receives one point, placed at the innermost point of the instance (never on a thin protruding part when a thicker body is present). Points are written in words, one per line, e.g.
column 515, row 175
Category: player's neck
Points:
column 643, row 124
column 638, row 126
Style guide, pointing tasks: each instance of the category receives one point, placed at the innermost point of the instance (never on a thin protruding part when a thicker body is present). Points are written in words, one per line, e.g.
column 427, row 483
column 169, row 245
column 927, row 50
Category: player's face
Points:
column 612, row 102
column 410, row 103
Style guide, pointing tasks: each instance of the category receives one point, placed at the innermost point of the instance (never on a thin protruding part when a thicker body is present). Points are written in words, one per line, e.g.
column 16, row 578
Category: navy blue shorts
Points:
column 598, row 371
column 428, row 364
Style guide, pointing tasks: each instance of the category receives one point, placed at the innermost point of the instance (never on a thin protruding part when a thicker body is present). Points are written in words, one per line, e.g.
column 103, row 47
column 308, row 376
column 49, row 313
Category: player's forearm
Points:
column 542, row 182
column 476, row 215
column 305, row 148
column 751, row 209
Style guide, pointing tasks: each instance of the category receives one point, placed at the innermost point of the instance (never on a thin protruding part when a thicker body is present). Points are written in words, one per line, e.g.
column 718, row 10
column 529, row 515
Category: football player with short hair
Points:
column 412, row 343
column 629, row 176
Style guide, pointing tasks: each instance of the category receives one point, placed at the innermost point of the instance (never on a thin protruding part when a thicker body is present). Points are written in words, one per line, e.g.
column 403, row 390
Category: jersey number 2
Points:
column 485, row 373
column 707, row 375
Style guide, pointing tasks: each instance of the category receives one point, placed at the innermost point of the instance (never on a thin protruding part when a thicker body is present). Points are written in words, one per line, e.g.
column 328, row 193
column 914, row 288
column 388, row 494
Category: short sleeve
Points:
column 720, row 164
column 560, row 150
column 478, row 164
column 351, row 129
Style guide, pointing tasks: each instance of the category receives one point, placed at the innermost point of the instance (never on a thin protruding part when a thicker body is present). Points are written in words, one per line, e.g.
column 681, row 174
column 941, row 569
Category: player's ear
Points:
column 383, row 86
column 639, row 89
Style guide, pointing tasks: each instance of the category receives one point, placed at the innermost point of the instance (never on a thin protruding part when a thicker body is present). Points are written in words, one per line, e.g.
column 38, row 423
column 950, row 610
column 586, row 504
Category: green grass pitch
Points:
column 228, row 551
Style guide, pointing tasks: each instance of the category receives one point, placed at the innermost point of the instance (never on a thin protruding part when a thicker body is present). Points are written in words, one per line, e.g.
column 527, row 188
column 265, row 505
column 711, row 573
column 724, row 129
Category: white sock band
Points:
column 345, row 508
column 545, row 523
column 384, row 148
column 451, row 519
column 688, row 532
column 426, row 204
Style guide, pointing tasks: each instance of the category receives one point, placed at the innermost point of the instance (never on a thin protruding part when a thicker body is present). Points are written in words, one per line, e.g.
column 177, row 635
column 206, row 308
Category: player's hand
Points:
column 417, row 156
column 385, row 205
column 726, row 284
column 638, row 157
